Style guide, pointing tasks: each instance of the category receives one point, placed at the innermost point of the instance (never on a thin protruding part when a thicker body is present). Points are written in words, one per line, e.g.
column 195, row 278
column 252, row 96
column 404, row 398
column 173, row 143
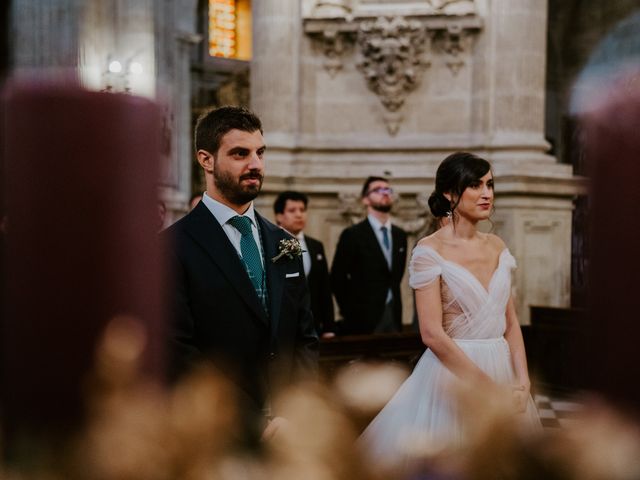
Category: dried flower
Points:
column 291, row 248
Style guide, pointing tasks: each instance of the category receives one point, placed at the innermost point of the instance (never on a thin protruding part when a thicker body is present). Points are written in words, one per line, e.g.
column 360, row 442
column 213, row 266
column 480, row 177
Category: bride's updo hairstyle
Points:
column 454, row 175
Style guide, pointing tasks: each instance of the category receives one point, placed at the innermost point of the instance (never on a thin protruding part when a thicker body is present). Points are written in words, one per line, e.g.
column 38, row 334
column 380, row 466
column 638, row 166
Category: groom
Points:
column 234, row 305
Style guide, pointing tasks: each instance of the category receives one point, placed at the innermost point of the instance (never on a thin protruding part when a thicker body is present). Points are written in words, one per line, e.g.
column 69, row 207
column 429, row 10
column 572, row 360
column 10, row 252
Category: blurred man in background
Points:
column 369, row 264
column 290, row 209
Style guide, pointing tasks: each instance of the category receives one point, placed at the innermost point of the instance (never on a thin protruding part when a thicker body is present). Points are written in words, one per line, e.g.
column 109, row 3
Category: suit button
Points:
column 272, row 355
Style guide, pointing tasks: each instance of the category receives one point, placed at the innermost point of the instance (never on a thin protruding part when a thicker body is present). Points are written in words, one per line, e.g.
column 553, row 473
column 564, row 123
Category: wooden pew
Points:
column 405, row 347
column 553, row 344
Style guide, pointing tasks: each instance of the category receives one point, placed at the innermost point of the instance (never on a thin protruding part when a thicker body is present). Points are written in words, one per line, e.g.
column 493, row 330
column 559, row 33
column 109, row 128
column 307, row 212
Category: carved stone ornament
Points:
column 453, row 42
column 393, row 52
column 350, row 207
column 333, row 46
column 331, row 8
column 421, row 222
column 457, row 7
column 391, row 59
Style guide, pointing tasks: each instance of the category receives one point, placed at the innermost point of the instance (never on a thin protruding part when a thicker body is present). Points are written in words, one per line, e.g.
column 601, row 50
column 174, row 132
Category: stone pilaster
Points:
column 45, row 37
column 175, row 23
column 275, row 79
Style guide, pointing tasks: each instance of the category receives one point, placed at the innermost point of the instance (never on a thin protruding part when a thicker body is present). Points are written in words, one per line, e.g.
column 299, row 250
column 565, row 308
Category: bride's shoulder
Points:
column 431, row 242
column 495, row 242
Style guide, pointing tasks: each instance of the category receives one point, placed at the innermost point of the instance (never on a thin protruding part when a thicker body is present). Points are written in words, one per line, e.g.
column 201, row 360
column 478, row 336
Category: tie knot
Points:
column 384, row 229
column 242, row 224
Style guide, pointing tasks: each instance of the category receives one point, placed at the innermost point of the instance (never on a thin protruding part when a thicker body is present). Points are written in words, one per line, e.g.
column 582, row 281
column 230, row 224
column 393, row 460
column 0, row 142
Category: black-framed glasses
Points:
column 382, row 190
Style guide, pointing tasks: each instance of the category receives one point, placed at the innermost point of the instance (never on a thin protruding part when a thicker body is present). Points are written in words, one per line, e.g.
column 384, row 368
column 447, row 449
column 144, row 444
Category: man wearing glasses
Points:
column 368, row 266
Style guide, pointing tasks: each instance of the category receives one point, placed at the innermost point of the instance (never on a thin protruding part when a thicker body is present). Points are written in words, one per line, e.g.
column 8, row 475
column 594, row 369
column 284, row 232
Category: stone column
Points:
column 275, row 79
column 175, row 38
column 515, row 53
column 45, row 36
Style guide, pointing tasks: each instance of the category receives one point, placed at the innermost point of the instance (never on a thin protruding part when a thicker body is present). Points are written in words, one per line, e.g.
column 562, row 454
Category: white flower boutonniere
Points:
column 291, row 248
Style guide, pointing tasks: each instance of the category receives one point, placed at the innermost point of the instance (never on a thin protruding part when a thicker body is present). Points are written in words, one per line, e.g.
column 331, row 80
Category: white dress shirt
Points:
column 223, row 214
column 306, row 256
column 377, row 229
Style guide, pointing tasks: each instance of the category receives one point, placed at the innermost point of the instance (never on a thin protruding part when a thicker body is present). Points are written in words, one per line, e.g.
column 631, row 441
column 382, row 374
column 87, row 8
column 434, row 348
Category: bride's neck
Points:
column 464, row 229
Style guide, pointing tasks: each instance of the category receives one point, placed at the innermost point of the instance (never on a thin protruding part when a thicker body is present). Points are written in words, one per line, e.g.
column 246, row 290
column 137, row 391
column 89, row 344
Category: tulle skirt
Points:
column 423, row 413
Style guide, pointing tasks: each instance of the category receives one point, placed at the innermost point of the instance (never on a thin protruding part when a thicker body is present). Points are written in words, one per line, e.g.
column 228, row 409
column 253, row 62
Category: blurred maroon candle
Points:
column 613, row 151
column 81, row 173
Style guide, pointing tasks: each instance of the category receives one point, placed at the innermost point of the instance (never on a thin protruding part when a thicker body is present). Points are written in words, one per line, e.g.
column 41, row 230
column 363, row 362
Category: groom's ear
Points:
column 206, row 160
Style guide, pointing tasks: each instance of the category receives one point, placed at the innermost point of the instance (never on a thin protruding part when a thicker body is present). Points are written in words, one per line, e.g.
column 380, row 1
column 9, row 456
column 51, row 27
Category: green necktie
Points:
column 250, row 254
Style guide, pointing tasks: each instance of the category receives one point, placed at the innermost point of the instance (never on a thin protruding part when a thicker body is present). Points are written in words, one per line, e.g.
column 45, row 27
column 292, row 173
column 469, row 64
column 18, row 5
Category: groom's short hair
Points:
column 216, row 123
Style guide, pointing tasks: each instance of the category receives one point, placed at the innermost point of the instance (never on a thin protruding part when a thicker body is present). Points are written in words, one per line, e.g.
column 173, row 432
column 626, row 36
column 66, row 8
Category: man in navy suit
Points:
column 290, row 209
column 368, row 266
column 241, row 299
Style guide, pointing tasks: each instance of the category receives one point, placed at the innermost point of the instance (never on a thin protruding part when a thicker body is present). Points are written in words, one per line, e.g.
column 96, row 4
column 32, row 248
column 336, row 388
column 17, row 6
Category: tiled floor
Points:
column 556, row 412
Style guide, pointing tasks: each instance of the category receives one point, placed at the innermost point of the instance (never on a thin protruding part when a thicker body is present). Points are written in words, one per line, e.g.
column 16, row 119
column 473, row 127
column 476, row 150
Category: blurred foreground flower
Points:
column 317, row 441
column 140, row 430
column 601, row 444
column 365, row 387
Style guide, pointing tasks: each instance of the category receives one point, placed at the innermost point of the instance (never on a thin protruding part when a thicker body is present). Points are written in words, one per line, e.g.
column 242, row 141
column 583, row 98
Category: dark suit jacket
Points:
column 320, row 286
column 218, row 316
column 361, row 278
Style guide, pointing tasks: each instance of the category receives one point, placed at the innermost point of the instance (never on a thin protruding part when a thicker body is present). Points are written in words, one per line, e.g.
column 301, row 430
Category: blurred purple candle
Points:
column 613, row 149
column 81, row 171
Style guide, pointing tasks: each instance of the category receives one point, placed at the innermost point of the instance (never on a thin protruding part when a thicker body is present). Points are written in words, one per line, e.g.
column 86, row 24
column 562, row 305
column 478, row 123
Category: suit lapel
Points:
column 271, row 236
column 372, row 239
column 396, row 254
column 207, row 232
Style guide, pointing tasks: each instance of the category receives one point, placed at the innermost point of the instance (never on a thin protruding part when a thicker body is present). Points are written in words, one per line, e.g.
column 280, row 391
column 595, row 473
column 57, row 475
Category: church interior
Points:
column 99, row 103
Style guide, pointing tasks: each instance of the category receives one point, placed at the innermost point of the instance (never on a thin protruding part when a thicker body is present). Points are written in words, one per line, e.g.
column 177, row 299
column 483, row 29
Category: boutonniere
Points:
column 291, row 248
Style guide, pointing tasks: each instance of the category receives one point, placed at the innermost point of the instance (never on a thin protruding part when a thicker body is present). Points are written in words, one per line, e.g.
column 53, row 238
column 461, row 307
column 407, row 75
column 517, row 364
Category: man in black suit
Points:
column 241, row 299
column 290, row 209
column 369, row 264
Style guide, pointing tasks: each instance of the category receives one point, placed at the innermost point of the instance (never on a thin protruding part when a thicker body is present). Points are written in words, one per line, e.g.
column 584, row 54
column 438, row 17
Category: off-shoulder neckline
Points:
column 462, row 267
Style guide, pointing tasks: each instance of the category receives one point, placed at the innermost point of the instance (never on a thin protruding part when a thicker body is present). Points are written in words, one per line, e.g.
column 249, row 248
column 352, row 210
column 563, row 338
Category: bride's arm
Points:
column 513, row 335
column 429, row 307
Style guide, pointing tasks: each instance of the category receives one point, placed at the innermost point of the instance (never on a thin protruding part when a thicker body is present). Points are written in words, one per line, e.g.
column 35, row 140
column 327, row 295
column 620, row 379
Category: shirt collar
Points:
column 223, row 213
column 376, row 224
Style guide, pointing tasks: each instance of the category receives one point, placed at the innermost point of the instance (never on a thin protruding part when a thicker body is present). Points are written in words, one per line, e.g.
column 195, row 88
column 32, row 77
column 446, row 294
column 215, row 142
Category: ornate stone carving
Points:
column 333, row 46
column 453, row 41
column 349, row 207
column 456, row 7
column 331, row 8
column 423, row 222
column 392, row 53
column 391, row 57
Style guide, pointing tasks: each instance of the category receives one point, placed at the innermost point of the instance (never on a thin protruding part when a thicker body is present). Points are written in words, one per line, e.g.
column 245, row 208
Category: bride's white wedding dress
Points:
column 423, row 409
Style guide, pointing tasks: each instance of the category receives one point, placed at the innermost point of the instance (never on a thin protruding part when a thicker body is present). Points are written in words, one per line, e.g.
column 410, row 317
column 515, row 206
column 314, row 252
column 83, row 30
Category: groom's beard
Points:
column 381, row 208
column 233, row 190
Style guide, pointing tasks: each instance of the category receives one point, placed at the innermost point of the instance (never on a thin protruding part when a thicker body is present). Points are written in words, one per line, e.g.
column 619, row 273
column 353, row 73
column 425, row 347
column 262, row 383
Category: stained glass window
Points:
column 230, row 29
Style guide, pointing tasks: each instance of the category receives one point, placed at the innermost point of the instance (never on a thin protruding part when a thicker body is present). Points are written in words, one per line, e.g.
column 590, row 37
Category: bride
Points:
column 462, row 283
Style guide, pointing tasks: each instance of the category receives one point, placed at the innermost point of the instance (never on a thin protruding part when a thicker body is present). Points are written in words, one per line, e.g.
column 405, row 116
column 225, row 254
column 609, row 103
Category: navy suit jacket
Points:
column 218, row 316
column 320, row 286
column 361, row 277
